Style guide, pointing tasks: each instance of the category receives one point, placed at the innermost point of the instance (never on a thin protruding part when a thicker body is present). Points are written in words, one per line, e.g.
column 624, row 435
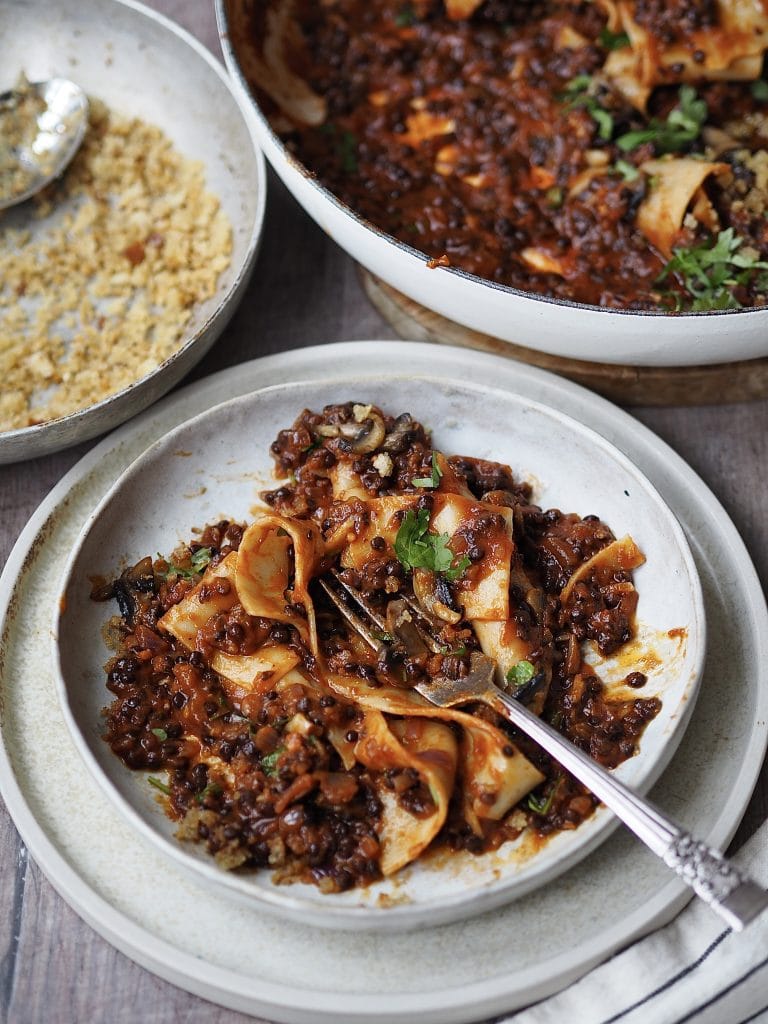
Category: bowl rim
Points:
column 71, row 421
column 467, row 902
column 235, row 69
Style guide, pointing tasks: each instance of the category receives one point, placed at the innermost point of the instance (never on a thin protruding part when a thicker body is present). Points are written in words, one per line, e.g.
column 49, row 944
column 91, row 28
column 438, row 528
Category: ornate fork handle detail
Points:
column 718, row 882
column 709, row 874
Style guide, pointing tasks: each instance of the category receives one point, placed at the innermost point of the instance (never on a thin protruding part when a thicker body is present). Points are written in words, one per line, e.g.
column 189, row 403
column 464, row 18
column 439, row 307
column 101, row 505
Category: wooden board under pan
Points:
column 628, row 385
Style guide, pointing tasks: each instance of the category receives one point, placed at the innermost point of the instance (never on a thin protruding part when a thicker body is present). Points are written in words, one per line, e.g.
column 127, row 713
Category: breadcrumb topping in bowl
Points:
column 120, row 278
column 100, row 290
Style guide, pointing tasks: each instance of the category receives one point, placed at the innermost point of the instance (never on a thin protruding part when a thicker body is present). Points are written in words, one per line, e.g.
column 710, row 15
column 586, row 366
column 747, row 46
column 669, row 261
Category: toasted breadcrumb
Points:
column 102, row 289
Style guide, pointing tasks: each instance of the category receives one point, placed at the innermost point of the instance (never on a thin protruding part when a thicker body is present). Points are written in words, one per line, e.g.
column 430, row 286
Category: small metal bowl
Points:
column 143, row 65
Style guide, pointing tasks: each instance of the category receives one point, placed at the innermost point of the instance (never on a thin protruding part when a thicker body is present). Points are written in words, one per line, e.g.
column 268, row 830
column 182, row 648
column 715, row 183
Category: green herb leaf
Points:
column 613, row 40
column 627, row 170
column 759, row 90
column 554, row 197
column 161, row 734
column 406, row 16
column 521, row 673
column 345, row 146
column 682, row 126
column 158, row 784
column 540, row 805
column 201, row 558
column 197, row 565
column 212, row 789
column 580, row 92
column 347, row 150
column 578, row 85
column 603, row 120
column 269, row 762
column 429, row 481
column 416, row 548
column 458, row 570
column 710, row 272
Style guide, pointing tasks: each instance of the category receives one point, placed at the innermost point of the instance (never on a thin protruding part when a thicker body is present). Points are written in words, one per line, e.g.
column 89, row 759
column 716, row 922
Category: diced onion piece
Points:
column 542, row 262
column 458, row 9
column 424, row 125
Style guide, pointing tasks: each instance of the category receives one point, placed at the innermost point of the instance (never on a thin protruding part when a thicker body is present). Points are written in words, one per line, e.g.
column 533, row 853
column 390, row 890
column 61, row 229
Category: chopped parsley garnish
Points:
column 613, row 40
column 521, row 673
column 627, row 170
column 554, row 197
column 161, row 734
column 429, row 481
column 347, row 149
column 580, row 92
column 406, row 16
column 159, row 784
column 345, row 146
column 269, row 761
column 542, row 804
column 710, row 271
column 418, row 549
column 212, row 789
column 759, row 90
column 197, row 565
column 683, row 125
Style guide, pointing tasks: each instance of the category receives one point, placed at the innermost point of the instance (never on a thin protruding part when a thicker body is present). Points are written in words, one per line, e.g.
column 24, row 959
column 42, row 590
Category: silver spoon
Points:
column 41, row 127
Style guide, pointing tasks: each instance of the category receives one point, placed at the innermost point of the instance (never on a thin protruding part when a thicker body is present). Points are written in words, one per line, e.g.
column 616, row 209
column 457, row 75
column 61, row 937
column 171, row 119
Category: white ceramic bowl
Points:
column 556, row 326
column 163, row 495
column 143, row 65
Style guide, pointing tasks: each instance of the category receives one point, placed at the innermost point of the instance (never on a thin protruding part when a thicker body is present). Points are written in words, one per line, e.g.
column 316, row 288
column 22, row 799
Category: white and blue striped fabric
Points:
column 693, row 971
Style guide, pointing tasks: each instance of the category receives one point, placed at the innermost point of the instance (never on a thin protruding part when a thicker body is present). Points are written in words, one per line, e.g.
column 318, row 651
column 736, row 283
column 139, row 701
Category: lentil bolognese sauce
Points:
column 612, row 152
column 287, row 741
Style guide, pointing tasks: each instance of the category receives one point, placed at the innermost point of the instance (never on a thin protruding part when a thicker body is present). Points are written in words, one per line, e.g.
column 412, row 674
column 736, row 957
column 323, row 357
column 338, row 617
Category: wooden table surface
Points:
column 53, row 968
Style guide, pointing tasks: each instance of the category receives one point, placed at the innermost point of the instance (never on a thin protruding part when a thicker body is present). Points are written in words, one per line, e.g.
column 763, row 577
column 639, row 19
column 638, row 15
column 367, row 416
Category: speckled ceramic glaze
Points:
column 196, row 936
column 143, row 65
column 203, row 472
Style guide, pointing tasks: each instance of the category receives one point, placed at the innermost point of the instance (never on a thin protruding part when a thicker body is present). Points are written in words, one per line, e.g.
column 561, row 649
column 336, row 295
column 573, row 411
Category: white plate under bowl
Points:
column 142, row 65
column 202, row 472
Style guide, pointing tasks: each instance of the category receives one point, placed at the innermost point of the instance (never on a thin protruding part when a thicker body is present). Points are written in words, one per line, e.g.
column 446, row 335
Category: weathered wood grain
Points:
column 53, row 968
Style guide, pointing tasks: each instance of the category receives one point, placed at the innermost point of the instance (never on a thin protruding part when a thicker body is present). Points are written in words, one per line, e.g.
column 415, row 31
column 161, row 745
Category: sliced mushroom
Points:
column 434, row 595
column 400, row 623
column 364, row 437
column 327, row 430
column 400, row 435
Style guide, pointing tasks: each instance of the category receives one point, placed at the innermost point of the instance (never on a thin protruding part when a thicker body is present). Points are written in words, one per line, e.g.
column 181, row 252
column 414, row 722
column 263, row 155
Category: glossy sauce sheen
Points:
column 499, row 181
column 262, row 794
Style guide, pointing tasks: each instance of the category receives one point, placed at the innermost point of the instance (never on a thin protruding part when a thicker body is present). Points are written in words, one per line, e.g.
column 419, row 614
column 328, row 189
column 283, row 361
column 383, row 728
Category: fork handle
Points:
column 717, row 881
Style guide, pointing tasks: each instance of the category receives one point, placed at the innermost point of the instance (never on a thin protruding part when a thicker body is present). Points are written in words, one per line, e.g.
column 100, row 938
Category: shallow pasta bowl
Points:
column 202, row 472
column 143, row 65
column 555, row 326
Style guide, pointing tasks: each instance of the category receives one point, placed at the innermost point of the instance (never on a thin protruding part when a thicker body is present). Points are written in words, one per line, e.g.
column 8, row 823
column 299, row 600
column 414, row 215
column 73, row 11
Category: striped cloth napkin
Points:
column 694, row 969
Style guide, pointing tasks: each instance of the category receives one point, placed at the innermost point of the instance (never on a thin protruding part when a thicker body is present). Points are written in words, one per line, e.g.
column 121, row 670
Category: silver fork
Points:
column 715, row 879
